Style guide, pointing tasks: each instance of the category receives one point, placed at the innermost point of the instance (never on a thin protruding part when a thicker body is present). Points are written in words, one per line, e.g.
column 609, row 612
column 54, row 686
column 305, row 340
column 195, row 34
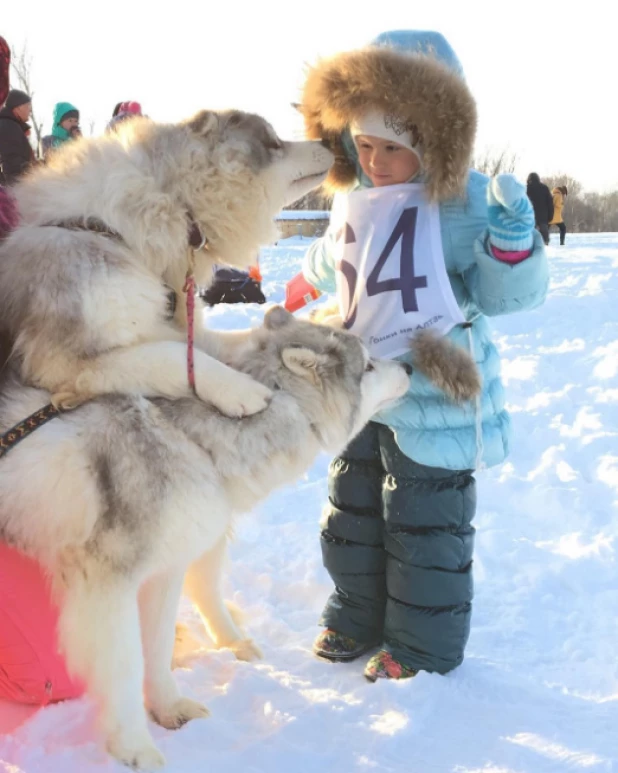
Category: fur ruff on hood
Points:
column 413, row 86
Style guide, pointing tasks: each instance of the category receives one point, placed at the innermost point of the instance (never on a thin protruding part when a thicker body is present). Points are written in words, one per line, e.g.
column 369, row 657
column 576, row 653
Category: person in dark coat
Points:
column 8, row 210
column 543, row 204
column 16, row 154
column 5, row 64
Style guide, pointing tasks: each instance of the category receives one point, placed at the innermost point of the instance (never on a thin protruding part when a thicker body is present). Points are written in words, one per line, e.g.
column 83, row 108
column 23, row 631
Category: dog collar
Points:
column 88, row 224
column 195, row 237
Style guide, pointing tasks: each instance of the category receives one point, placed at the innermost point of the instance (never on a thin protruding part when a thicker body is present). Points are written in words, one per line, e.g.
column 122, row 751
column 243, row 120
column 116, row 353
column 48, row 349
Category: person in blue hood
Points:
column 417, row 241
column 65, row 127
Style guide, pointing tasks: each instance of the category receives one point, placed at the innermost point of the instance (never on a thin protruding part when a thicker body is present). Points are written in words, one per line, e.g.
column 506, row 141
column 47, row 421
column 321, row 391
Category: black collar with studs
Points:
column 20, row 431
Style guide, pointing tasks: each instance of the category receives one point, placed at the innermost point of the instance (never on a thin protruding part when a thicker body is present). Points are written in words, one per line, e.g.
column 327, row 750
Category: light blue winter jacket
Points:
column 429, row 428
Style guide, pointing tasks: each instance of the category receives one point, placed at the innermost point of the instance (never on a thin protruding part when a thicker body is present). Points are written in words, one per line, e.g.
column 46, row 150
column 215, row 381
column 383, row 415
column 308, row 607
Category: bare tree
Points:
column 492, row 163
column 574, row 187
column 21, row 62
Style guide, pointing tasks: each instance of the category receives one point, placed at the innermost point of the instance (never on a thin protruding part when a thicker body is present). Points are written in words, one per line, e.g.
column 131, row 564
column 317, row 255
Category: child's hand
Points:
column 510, row 214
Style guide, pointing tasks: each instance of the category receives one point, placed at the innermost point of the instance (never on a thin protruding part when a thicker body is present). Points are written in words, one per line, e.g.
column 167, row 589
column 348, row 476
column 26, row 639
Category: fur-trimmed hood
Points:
column 407, row 75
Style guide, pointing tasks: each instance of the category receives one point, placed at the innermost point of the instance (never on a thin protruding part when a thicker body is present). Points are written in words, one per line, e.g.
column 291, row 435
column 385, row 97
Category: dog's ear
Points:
column 277, row 317
column 303, row 362
column 233, row 119
column 245, row 124
column 203, row 123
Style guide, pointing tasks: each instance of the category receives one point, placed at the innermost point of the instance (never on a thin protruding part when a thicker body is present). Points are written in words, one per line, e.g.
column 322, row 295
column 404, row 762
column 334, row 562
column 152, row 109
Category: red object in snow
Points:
column 298, row 293
column 31, row 668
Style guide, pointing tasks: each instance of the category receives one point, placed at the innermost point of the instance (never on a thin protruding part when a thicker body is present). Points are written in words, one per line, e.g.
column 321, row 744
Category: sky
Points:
column 539, row 71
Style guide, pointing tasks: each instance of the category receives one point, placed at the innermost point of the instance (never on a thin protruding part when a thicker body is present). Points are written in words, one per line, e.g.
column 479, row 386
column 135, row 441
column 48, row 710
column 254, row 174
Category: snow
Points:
column 538, row 691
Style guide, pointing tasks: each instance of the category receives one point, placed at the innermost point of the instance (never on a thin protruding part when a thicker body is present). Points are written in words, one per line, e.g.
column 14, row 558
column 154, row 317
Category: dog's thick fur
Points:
column 88, row 312
column 126, row 495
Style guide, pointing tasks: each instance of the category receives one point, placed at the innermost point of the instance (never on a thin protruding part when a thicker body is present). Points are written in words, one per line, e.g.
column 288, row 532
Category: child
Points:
column 421, row 241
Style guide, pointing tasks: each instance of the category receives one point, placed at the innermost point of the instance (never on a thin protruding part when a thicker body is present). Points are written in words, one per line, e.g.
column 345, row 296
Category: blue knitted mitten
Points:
column 510, row 214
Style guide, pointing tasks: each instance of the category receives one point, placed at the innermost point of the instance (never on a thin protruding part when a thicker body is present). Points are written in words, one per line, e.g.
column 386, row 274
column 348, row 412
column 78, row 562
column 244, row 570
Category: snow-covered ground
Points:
column 538, row 691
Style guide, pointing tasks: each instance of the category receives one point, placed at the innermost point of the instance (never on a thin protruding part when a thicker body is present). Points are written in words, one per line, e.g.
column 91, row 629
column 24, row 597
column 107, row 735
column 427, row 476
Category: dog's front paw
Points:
column 183, row 710
column 71, row 394
column 246, row 649
column 241, row 396
column 144, row 757
column 67, row 400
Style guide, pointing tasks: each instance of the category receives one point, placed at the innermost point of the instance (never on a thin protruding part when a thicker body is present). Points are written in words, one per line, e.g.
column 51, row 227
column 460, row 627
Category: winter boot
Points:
column 383, row 666
column 337, row 647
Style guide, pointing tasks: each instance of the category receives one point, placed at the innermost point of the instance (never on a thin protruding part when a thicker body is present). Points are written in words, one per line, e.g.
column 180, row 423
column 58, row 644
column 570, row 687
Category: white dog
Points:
column 119, row 497
column 108, row 230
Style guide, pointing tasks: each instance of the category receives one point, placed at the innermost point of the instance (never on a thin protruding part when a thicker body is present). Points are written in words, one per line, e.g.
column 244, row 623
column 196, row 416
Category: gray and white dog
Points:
column 136, row 489
column 124, row 496
column 105, row 233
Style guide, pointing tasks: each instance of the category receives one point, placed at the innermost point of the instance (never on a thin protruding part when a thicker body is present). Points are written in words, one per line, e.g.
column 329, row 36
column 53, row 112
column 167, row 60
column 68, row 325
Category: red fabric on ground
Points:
column 31, row 668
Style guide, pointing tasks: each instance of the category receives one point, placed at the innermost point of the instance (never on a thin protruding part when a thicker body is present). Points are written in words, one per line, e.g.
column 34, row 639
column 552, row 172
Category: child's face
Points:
column 385, row 162
column 69, row 123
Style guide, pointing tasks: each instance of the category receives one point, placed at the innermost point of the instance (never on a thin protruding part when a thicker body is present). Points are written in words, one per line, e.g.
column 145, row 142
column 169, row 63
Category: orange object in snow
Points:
column 298, row 293
column 255, row 273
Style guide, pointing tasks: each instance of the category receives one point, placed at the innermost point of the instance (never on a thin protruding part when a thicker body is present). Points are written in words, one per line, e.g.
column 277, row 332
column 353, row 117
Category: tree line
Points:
column 584, row 211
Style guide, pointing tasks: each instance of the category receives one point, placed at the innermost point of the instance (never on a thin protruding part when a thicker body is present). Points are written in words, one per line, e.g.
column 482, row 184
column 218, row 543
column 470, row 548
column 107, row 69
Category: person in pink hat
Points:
column 122, row 112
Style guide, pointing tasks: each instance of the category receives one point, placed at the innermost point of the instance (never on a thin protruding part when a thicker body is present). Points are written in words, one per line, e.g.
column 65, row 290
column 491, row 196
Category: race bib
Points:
column 391, row 276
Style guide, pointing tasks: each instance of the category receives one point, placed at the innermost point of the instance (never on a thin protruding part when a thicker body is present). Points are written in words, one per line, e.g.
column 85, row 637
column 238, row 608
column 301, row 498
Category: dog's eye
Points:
column 369, row 367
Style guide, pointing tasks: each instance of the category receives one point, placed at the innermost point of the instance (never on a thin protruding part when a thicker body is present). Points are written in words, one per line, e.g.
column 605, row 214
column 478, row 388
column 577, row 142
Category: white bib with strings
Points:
column 391, row 275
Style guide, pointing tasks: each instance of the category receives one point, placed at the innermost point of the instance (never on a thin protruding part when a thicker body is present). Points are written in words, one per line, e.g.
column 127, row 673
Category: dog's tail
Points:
column 448, row 366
